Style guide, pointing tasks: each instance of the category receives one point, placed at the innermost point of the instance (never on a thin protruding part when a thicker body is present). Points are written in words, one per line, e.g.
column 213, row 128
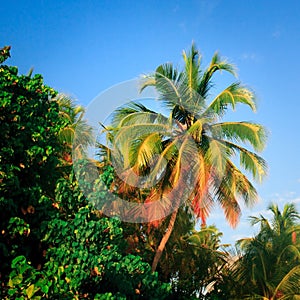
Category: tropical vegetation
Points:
column 55, row 243
column 193, row 151
column 268, row 265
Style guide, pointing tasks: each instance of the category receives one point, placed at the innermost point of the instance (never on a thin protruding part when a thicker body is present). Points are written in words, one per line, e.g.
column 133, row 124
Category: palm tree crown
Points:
column 142, row 135
column 190, row 154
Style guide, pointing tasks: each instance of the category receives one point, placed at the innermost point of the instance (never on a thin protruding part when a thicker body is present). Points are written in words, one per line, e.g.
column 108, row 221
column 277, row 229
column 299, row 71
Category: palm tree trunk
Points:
column 164, row 241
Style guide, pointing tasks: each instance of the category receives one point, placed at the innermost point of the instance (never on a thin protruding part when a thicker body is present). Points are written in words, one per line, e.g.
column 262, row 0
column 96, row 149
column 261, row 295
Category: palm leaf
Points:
column 235, row 93
column 196, row 130
column 217, row 154
column 192, row 67
column 289, row 285
column 253, row 133
column 144, row 150
column 228, row 203
column 250, row 161
column 291, row 249
column 240, row 184
column 131, row 109
column 187, row 156
column 216, row 64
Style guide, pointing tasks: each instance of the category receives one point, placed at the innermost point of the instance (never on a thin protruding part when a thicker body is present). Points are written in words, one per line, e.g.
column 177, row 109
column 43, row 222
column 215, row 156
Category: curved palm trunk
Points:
column 164, row 241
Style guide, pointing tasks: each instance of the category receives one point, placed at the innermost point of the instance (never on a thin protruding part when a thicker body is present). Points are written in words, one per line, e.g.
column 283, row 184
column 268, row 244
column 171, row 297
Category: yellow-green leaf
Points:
column 30, row 291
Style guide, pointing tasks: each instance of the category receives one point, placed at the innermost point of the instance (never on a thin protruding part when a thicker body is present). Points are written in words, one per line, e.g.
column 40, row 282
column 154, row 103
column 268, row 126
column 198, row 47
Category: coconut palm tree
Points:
column 194, row 262
column 73, row 116
column 189, row 154
column 271, row 262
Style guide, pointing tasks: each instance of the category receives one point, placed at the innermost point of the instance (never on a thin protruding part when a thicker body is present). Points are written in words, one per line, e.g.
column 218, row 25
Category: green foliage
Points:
column 29, row 156
column 85, row 257
column 268, row 266
column 4, row 53
column 193, row 262
column 53, row 243
column 272, row 254
column 26, row 282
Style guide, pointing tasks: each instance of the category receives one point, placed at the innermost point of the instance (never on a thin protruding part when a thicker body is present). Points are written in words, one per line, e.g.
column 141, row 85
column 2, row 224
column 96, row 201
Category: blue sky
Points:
column 85, row 47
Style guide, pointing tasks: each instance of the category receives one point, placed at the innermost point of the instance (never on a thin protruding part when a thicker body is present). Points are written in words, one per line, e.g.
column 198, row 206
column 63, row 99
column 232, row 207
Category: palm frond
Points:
column 240, row 184
column 235, row 93
column 229, row 203
column 253, row 133
column 136, row 131
column 76, row 131
column 264, row 223
column 187, row 158
column 216, row 64
column 196, row 130
column 130, row 109
column 216, row 155
column 289, row 285
column 192, row 61
column 289, row 249
column 244, row 243
column 144, row 150
column 253, row 163
column 250, row 161
column 290, row 212
column 176, row 94
column 167, row 157
column 127, row 139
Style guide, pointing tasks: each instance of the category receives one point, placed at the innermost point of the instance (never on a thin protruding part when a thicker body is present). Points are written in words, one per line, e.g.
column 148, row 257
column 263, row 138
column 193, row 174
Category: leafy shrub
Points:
column 29, row 156
column 85, row 257
column 53, row 243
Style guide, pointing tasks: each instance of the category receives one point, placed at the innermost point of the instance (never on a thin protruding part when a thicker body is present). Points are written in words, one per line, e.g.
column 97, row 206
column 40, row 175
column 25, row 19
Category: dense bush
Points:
column 85, row 257
column 53, row 243
column 29, row 156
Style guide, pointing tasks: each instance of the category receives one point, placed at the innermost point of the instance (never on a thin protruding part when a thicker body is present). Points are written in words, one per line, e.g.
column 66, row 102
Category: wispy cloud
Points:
column 182, row 26
column 250, row 56
column 240, row 236
column 263, row 212
column 288, row 197
column 276, row 34
column 209, row 5
column 175, row 8
column 296, row 200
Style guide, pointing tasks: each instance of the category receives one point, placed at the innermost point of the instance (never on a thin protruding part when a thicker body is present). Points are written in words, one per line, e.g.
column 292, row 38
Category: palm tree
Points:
column 194, row 262
column 271, row 262
column 73, row 116
column 188, row 154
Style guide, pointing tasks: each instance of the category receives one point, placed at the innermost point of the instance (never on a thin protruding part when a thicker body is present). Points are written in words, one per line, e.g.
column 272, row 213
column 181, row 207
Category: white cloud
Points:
column 287, row 197
column 264, row 212
column 236, row 237
column 296, row 200
column 250, row 56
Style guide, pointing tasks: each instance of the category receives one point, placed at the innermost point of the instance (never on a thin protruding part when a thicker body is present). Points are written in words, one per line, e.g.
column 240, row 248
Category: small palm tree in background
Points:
column 270, row 265
column 194, row 262
column 189, row 153
column 73, row 116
